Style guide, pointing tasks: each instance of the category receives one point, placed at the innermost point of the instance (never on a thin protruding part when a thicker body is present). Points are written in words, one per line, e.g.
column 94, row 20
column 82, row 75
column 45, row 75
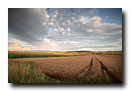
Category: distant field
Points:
column 14, row 55
column 68, row 53
column 55, row 54
column 41, row 54
column 109, row 53
column 47, row 53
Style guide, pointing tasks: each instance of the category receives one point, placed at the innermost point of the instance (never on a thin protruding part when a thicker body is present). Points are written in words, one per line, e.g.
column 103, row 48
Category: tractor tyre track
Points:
column 77, row 68
column 111, row 76
column 97, row 70
column 86, row 70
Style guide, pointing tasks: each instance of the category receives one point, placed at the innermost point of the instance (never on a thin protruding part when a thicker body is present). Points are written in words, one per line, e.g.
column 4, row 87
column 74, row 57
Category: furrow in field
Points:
column 107, row 73
column 96, row 70
column 86, row 70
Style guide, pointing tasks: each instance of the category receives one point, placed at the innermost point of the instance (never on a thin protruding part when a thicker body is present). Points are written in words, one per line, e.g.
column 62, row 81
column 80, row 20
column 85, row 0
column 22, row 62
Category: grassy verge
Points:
column 13, row 55
column 26, row 73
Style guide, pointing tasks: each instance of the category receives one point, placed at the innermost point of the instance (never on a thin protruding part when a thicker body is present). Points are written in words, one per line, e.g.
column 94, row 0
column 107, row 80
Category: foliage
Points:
column 14, row 55
column 25, row 73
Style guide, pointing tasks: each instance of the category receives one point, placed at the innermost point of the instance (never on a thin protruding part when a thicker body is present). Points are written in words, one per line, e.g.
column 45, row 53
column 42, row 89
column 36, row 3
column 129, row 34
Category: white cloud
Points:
column 55, row 30
column 89, row 30
column 60, row 27
column 43, row 23
column 50, row 24
column 68, row 29
column 44, row 45
column 106, row 16
column 120, row 39
column 81, row 20
column 14, row 46
column 94, row 20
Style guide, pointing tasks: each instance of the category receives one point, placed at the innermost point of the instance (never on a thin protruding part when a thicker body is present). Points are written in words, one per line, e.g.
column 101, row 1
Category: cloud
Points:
column 66, row 17
column 45, row 45
column 27, row 24
column 89, row 31
column 106, row 16
column 90, row 27
column 14, row 46
column 55, row 30
column 50, row 24
column 44, row 24
column 63, row 29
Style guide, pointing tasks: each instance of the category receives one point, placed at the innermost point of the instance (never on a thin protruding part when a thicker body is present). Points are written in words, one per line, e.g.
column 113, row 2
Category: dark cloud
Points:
column 26, row 24
column 63, row 29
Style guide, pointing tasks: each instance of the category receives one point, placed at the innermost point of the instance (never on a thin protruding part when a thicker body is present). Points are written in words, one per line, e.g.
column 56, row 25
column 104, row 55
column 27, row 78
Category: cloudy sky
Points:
column 64, row 29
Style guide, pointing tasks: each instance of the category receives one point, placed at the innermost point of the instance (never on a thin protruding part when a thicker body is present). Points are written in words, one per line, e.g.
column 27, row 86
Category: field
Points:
column 71, row 67
column 40, row 54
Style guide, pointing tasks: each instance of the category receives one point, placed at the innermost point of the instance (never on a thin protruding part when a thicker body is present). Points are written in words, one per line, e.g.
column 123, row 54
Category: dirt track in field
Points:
column 97, row 66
